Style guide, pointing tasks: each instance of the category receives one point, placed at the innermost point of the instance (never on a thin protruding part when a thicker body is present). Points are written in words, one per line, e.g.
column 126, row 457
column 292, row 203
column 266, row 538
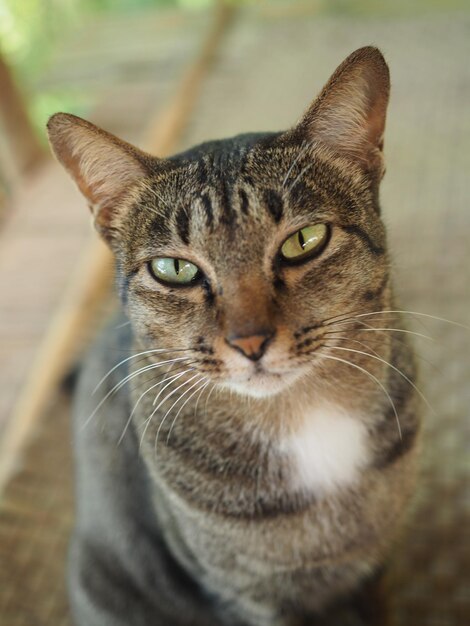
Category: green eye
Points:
column 174, row 271
column 305, row 242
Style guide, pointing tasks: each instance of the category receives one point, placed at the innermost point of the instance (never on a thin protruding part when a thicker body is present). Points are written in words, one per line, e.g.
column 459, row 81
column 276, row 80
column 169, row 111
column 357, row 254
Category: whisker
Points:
column 134, row 356
column 173, row 405
column 302, row 172
column 364, row 371
column 205, row 382
column 367, row 345
column 303, row 149
column 121, row 325
column 396, row 369
column 149, row 419
column 126, row 379
column 434, row 317
column 208, row 397
column 361, row 343
column 161, row 382
column 198, row 398
column 373, row 328
column 397, row 330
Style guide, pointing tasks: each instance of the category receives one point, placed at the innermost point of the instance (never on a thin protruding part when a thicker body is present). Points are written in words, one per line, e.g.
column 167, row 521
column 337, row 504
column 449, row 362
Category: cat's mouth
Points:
column 262, row 383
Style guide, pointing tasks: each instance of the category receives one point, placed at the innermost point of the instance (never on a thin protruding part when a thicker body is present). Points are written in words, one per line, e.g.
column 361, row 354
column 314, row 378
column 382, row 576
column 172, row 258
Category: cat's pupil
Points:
column 301, row 239
column 177, row 266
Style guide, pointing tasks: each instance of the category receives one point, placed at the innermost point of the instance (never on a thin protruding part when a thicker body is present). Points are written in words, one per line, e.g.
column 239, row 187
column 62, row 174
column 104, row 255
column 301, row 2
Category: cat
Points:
column 246, row 430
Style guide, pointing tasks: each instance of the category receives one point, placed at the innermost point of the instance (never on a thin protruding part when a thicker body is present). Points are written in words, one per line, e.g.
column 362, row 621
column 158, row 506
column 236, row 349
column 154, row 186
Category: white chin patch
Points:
column 264, row 385
column 327, row 451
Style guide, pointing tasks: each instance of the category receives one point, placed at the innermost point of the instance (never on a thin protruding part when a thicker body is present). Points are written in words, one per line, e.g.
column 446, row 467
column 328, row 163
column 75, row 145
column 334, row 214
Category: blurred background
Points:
column 166, row 74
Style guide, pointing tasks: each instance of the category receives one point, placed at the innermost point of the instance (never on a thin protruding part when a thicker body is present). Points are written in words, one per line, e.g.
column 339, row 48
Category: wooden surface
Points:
column 269, row 69
column 20, row 150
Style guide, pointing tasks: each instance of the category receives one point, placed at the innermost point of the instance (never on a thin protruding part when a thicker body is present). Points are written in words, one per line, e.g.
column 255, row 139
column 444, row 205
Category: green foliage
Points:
column 30, row 31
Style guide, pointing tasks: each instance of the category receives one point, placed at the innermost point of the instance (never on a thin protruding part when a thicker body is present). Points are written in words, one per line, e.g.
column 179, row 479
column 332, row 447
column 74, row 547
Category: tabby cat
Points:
column 246, row 430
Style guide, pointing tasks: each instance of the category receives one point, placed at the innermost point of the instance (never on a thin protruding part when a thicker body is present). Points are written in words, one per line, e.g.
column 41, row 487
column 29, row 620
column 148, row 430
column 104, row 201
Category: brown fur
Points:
column 220, row 480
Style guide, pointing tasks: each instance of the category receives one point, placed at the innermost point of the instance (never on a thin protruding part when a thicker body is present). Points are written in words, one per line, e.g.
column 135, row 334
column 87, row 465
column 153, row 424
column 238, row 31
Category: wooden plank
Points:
column 21, row 151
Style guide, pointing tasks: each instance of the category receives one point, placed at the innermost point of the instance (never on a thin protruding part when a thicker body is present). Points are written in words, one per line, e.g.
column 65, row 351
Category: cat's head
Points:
column 236, row 251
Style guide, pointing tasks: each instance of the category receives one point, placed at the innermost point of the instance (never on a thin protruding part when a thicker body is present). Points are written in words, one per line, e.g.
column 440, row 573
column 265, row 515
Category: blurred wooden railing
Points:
column 90, row 283
column 20, row 149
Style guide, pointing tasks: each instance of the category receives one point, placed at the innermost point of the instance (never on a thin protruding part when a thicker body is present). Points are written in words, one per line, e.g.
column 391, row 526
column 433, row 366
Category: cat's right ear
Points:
column 104, row 167
column 349, row 114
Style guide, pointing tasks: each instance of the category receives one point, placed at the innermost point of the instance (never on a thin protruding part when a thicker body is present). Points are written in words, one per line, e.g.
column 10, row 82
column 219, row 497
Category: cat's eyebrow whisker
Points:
column 200, row 389
column 126, row 379
column 303, row 149
column 158, row 196
column 374, row 378
column 167, row 397
column 296, row 179
column 134, row 356
column 396, row 369
column 160, row 382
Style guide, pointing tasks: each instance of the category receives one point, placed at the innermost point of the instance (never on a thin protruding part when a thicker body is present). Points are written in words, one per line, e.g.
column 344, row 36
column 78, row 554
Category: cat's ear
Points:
column 349, row 114
column 104, row 167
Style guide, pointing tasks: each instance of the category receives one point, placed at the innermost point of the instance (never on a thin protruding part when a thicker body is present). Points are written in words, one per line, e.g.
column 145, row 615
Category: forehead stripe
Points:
column 227, row 213
column 183, row 224
column 207, row 206
column 243, row 201
column 274, row 204
column 356, row 230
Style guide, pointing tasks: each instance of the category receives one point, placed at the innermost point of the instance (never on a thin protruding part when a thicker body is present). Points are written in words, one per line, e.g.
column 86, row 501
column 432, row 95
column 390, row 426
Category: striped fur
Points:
column 262, row 493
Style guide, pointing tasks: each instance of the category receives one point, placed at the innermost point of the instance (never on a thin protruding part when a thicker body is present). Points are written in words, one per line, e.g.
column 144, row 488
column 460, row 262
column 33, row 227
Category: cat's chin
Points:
column 264, row 384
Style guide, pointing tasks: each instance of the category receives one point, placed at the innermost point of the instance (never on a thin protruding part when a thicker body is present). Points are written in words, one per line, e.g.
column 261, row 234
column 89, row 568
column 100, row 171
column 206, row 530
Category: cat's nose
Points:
column 253, row 346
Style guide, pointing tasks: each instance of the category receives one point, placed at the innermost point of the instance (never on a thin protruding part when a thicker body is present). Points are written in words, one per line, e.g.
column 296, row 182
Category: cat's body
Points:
column 254, row 467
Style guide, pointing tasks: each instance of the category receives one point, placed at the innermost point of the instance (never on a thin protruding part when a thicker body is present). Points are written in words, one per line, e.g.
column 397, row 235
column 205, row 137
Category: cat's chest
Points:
column 326, row 451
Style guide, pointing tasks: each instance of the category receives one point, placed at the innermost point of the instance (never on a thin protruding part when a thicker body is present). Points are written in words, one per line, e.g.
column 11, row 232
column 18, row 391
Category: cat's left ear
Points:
column 104, row 167
column 349, row 114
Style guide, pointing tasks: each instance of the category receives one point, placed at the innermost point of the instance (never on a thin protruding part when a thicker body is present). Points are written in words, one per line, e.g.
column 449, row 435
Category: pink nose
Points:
column 253, row 347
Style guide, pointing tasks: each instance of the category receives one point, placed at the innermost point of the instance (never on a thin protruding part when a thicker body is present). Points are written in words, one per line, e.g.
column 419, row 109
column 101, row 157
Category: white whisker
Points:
column 367, row 345
column 149, row 419
column 434, row 317
column 368, row 327
column 161, row 382
column 208, row 397
column 364, row 371
column 129, row 358
column 302, row 172
column 205, row 382
column 126, row 379
column 302, row 151
column 378, row 358
column 174, row 404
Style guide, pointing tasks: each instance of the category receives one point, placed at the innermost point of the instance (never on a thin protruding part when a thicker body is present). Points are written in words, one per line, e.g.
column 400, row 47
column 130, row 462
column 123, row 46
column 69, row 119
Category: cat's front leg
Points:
column 103, row 591
column 367, row 606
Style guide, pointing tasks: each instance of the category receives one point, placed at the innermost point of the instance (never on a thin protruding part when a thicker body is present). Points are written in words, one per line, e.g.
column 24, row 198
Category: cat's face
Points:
column 229, row 212
column 235, row 253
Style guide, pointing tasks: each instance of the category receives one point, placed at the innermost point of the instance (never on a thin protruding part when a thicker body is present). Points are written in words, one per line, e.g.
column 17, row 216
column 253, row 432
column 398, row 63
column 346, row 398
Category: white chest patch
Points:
column 327, row 451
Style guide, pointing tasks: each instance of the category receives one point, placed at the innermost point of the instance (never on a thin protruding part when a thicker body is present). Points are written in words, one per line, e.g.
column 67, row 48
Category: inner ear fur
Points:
column 349, row 114
column 104, row 167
